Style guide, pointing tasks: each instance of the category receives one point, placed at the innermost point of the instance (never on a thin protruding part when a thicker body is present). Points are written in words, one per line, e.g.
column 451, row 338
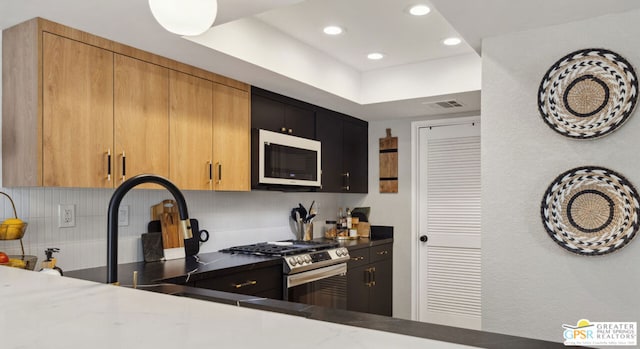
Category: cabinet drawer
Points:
column 250, row 282
column 358, row 258
column 382, row 252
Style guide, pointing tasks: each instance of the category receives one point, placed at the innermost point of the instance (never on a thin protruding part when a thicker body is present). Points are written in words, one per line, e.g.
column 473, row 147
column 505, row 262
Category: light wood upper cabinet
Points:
column 191, row 123
column 231, row 139
column 71, row 98
column 77, row 113
column 141, row 118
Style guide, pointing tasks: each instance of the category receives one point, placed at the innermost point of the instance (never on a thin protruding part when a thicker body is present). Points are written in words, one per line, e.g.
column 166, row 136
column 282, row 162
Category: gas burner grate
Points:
column 281, row 248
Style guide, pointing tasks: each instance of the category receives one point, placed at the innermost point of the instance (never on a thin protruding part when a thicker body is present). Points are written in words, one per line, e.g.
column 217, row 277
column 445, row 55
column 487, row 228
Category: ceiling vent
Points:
column 445, row 104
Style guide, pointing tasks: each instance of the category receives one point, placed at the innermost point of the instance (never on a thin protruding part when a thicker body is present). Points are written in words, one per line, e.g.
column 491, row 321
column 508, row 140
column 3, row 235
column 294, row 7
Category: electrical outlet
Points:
column 66, row 216
column 123, row 215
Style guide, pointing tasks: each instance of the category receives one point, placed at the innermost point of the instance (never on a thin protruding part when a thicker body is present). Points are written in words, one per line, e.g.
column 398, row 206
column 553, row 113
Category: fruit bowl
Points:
column 12, row 228
column 12, row 231
column 22, row 262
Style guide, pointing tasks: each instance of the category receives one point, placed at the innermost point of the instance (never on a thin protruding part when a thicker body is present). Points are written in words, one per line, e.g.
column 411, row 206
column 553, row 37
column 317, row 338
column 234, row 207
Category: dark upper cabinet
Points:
column 355, row 157
column 300, row 122
column 273, row 112
column 329, row 133
column 345, row 140
column 345, row 150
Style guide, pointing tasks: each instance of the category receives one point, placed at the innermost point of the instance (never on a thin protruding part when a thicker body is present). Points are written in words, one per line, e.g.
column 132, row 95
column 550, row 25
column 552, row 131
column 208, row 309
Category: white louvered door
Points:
column 449, row 216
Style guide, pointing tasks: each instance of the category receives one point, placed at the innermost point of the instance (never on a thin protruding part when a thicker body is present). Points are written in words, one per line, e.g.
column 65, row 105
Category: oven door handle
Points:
column 316, row 274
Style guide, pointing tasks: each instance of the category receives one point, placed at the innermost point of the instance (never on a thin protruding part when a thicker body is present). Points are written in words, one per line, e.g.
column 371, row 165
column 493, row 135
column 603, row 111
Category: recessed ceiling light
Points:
column 419, row 10
column 375, row 56
column 332, row 30
column 451, row 41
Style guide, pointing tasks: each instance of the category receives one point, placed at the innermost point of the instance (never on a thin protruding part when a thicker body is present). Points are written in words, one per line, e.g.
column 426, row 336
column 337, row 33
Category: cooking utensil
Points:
column 302, row 210
column 309, row 218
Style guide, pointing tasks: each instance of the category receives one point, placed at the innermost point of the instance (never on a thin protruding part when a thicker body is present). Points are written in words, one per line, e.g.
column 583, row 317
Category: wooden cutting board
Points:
column 172, row 241
column 389, row 163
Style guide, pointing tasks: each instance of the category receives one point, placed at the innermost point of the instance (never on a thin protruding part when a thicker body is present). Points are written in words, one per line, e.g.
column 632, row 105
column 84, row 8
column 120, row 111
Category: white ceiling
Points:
column 370, row 26
column 278, row 44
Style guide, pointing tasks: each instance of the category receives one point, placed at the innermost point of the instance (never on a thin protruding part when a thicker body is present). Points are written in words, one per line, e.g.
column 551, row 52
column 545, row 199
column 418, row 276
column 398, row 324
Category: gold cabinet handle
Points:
column 124, row 166
column 219, row 172
column 109, row 164
column 382, row 253
column 371, row 277
column 359, row 258
column 347, row 181
column 248, row 283
column 210, row 165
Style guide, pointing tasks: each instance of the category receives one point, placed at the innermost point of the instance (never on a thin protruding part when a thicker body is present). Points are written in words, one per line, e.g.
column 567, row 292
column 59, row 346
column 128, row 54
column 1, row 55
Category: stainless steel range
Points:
column 314, row 271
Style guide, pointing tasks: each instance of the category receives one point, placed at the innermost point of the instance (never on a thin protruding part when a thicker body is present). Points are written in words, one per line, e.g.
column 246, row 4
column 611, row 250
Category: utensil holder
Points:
column 305, row 231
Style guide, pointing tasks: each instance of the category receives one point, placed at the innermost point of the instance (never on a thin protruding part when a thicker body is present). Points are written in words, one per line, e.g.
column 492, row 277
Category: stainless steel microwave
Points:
column 284, row 160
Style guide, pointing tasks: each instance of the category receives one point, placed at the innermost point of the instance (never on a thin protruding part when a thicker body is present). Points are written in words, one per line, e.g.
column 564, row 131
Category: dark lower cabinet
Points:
column 262, row 282
column 369, row 279
column 345, row 152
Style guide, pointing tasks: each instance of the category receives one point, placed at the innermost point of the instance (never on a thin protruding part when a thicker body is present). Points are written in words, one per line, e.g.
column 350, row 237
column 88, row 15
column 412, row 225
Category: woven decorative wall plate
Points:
column 588, row 93
column 591, row 211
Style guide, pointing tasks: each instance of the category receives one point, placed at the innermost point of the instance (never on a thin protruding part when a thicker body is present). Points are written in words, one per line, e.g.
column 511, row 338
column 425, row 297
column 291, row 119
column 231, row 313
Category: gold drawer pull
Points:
column 382, row 253
column 359, row 258
column 248, row 283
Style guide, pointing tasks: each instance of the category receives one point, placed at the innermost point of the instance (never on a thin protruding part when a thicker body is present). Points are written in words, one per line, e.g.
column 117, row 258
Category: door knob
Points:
column 424, row 238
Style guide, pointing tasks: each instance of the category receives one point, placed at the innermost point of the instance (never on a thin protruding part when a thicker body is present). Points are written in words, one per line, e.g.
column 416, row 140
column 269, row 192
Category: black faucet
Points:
column 114, row 206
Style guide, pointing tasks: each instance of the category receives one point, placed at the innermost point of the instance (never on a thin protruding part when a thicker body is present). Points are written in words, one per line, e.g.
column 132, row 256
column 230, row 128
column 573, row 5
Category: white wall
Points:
column 531, row 286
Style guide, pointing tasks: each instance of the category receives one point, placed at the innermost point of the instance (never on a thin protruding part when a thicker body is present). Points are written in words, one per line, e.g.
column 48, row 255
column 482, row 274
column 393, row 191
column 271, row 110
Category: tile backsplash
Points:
column 232, row 218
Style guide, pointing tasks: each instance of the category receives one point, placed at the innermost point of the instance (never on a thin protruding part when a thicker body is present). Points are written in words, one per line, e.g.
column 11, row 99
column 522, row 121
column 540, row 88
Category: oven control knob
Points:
column 292, row 261
column 299, row 259
column 342, row 252
column 307, row 258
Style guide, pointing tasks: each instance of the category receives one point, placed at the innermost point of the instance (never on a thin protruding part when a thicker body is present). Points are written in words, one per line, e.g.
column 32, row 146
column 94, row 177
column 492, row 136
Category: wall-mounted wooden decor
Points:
column 389, row 163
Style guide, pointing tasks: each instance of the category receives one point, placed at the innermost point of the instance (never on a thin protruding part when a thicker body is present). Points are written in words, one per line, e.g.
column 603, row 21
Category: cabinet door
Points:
column 356, row 155
column 266, row 113
column 141, row 102
column 231, row 139
column 262, row 281
column 191, row 125
column 381, row 292
column 300, row 122
column 358, row 287
column 329, row 133
column 77, row 123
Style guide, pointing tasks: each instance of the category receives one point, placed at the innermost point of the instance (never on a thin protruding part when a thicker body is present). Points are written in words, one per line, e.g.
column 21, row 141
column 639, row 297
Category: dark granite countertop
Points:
column 363, row 243
column 161, row 276
column 179, row 271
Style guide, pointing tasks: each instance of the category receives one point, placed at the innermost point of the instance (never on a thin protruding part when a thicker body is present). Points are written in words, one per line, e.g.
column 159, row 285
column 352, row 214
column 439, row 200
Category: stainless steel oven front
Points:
column 325, row 286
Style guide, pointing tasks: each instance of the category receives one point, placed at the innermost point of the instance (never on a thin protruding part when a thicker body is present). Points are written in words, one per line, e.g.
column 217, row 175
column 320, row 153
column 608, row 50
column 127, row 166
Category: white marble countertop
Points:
column 45, row 311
